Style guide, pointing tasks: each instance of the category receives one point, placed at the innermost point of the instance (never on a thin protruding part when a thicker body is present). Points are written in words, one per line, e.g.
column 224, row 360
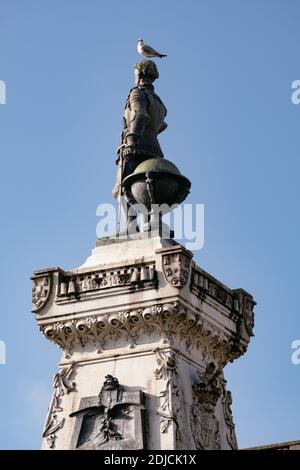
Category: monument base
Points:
column 145, row 335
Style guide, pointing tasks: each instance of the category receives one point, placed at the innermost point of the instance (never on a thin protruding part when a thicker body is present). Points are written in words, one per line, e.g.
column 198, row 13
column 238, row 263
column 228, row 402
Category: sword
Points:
column 121, row 165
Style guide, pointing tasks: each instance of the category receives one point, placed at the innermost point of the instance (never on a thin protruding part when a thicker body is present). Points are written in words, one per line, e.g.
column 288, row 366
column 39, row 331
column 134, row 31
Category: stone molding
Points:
column 78, row 284
column 239, row 303
column 170, row 320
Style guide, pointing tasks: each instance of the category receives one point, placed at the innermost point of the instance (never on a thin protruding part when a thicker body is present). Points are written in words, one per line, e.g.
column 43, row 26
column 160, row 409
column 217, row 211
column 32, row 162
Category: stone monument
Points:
column 145, row 333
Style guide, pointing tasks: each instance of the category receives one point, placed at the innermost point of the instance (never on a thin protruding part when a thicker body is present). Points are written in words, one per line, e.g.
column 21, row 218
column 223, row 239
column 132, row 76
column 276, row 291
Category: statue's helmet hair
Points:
column 147, row 68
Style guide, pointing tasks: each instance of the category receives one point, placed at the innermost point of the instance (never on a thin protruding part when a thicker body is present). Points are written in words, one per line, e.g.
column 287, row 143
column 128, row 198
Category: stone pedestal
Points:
column 145, row 335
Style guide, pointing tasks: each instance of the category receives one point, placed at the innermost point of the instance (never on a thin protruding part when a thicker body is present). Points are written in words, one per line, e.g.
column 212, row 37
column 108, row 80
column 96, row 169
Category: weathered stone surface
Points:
column 142, row 312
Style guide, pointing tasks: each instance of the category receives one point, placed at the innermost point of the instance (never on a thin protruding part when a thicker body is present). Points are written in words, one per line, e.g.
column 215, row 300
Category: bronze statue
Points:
column 143, row 120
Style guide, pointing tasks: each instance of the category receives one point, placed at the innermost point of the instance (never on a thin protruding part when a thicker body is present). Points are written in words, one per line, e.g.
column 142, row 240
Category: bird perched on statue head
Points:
column 147, row 51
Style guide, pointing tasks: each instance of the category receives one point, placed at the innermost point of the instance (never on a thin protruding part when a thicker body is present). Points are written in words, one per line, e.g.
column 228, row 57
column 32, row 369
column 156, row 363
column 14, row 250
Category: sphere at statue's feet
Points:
column 156, row 181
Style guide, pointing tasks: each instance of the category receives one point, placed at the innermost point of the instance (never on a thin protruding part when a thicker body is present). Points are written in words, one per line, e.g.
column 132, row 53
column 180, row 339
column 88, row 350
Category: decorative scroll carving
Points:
column 176, row 268
column 204, row 425
column 169, row 320
column 41, row 290
column 111, row 420
column 52, row 428
column 62, row 385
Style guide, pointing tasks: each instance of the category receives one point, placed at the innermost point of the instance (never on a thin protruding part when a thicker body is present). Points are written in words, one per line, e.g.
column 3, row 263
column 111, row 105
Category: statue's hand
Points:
column 129, row 152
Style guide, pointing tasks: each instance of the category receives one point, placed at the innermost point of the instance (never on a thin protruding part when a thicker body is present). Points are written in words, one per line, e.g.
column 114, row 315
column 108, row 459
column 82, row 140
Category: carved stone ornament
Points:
column 41, row 290
column 168, row 320
column 249, row 316
column 176, row 267
column 227, row 402
column 202, row 284
column 167, row 370
column 204, row 425
column 62, row 385
column 134, row 277
column 243, row 308
column 111, row 420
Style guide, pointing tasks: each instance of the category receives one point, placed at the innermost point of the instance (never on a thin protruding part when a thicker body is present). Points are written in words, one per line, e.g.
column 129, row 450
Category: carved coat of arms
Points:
column 41, row 291
column 176, row 267
column 204, row 425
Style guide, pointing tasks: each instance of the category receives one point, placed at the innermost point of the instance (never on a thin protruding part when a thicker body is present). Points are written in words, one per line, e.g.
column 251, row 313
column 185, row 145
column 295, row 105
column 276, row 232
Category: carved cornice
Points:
column 239, row 303
column 203, row 285
column 72, row 285
column 76, row 285
column 170, row 320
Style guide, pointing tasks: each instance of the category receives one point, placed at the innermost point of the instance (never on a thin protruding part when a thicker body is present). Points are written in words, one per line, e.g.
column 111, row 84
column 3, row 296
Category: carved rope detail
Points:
column 168, row 319
column 62, row 385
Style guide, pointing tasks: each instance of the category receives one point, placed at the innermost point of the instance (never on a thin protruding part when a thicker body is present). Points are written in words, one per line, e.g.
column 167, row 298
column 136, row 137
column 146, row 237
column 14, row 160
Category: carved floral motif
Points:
column 169, row 320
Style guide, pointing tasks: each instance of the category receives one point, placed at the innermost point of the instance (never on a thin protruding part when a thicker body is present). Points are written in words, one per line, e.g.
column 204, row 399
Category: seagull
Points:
column 147, row 51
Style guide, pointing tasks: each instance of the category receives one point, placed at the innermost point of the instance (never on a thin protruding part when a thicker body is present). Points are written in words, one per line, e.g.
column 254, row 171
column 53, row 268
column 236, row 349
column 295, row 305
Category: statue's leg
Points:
column 130, row 217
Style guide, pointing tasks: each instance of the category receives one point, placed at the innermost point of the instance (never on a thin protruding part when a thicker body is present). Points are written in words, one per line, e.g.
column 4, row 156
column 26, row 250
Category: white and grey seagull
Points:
column 148, row 51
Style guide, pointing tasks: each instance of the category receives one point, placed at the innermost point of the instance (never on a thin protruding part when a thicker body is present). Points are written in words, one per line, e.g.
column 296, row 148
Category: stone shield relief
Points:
column 176, row 268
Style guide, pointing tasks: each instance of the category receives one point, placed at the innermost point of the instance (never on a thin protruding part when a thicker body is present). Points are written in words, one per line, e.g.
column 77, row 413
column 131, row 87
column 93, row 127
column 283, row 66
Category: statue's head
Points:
column 145, row 72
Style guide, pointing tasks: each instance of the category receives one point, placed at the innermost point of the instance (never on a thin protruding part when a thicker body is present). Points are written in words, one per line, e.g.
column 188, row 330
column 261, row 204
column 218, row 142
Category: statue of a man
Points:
column 143, row 120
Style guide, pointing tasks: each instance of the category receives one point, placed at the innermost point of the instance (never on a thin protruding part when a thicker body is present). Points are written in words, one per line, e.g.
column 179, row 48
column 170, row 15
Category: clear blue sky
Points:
column 232, row 129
